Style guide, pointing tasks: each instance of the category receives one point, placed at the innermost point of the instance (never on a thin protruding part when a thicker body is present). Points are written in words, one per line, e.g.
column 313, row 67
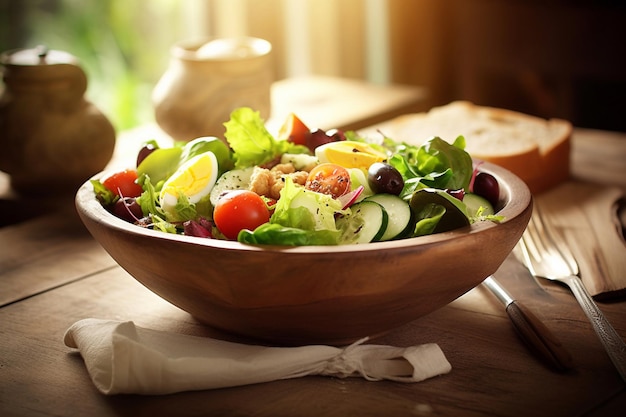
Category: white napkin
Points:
column 123, row 358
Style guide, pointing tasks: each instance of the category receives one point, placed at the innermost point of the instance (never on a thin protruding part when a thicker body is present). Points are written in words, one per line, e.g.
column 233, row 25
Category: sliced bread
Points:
column 535, row 149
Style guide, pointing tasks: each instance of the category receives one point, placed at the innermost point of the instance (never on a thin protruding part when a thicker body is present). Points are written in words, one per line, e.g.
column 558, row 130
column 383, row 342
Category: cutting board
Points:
column 586, row 216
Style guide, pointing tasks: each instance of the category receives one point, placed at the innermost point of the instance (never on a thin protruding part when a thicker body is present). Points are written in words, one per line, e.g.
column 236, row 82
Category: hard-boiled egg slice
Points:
column 349, row 154
column 194, row 179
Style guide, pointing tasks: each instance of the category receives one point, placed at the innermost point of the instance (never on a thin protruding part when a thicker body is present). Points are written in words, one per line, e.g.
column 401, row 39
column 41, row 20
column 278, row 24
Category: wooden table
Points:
column 52, row 274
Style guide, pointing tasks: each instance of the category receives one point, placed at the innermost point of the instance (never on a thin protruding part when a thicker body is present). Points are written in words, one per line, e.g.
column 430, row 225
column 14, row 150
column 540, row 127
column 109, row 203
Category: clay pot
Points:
column 207, row 79
column 51, row 137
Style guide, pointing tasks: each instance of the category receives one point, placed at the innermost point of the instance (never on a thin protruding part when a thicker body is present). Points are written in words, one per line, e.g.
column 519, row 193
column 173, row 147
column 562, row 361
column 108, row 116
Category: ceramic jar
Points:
column 52, row 138
column 207, row 79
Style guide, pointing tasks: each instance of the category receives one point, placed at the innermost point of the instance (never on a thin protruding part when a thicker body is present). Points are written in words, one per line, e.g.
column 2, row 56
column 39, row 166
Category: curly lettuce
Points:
column 252, row 143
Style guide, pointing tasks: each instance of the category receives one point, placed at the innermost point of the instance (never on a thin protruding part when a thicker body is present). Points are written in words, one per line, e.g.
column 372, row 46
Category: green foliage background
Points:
column 123, row 45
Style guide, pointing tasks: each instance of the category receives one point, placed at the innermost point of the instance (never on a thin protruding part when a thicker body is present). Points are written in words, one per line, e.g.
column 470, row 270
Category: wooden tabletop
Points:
column 52, row 274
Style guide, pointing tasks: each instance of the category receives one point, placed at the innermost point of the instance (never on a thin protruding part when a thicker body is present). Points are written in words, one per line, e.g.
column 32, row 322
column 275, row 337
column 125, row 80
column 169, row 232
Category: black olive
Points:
column 384, row 178
column 486, row 186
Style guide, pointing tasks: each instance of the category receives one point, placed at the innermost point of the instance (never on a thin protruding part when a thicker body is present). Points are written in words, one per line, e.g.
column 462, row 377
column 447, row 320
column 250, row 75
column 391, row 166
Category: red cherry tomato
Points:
column 329, row 179
column 294, row 130
column 238, row 210
column 124, row 183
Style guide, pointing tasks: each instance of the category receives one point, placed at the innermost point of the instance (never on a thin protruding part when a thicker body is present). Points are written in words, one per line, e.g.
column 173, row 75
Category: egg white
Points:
column 187, row 174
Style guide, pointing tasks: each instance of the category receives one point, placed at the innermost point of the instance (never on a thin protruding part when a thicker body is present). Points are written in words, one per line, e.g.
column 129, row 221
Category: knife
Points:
column 538, row 338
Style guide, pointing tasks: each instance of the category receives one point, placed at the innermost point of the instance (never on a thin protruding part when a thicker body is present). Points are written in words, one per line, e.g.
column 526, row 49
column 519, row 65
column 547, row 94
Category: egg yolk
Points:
column 194, row 179
column 350, row 154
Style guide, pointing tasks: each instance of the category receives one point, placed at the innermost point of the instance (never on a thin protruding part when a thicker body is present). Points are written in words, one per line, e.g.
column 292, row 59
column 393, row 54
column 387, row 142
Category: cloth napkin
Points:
column 123, row 358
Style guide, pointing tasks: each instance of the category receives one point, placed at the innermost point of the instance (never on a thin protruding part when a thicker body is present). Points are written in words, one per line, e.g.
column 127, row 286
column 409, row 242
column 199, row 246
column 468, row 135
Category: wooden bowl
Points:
column 315, row 294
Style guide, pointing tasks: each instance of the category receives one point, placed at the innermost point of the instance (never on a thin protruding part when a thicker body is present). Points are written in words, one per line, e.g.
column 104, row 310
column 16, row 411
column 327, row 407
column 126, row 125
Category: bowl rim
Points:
column 89, row 207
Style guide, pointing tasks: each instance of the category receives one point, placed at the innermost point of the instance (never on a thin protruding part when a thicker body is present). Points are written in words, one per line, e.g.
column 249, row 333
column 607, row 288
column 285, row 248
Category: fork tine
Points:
column 528, row 251
column 533, row 247
column 531, row 240
column 540, row 251
column 523, row 254
column 552, row 241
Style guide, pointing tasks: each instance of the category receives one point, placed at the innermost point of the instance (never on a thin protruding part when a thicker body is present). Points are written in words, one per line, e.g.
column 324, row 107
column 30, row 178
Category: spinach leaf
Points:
column 435, row 164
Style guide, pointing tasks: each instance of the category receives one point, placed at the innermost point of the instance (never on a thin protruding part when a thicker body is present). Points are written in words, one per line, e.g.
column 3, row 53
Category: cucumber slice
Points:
column 236, row 179
column 299, row 161
column 366, row 223
column 398, row 212
column 474, row 202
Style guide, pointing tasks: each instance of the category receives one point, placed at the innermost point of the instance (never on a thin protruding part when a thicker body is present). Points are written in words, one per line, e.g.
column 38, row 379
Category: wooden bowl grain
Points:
column 316, row 294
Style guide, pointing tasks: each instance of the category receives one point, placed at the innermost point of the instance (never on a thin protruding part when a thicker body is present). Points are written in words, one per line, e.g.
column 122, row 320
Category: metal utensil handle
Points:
column 613, row 343
column 533, row 332
column 538, row 337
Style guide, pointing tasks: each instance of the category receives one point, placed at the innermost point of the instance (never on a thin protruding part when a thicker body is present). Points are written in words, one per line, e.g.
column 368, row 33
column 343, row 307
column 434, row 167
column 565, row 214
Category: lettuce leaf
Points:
column 103, row 194
column 213, row 144
column 275, row 234
column 435, row 164
column 305, row 209
column 251, row 142
column 428, row 219
column 161, row 163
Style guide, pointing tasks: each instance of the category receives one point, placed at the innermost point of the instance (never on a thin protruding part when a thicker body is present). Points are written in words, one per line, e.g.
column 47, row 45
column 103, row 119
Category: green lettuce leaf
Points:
column 148, row 200
column 305, row 209
column 435, row 164
column 103, row 194
column 428, row 219
column 251, row 142
column 161, row 163
column 275, row 234
column 208, row 144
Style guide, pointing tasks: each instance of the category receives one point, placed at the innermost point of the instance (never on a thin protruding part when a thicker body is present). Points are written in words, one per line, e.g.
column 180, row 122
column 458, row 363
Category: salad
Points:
column 302, row 187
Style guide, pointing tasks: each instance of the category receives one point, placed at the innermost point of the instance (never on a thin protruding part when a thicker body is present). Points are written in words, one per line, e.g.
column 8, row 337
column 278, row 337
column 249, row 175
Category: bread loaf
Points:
column 535, row 149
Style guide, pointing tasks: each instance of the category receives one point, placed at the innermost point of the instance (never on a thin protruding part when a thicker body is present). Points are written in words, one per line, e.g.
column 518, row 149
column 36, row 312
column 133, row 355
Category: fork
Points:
column 546, row 256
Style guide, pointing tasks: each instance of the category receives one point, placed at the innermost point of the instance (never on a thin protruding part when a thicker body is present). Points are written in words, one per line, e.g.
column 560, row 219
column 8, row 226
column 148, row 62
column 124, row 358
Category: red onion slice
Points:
column 350, row 198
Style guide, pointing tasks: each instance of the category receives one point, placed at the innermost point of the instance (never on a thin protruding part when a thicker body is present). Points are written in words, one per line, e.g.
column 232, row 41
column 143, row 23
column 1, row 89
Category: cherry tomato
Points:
column 238, row 210
column 329, row 179
column 124, row 183
column 294, row 130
